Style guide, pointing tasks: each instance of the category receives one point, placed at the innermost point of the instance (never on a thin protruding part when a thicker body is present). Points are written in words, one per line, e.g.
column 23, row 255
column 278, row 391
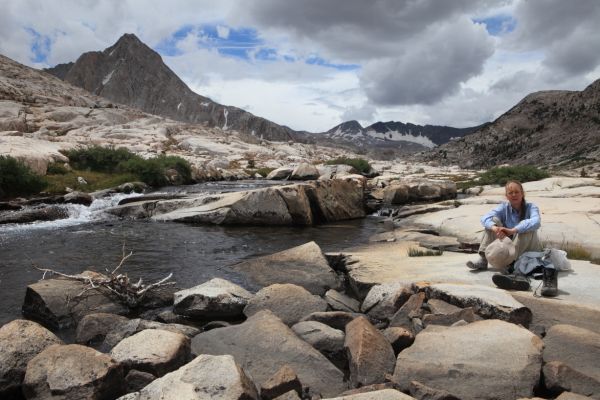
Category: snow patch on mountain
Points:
column 107, row 77
column 406, row 137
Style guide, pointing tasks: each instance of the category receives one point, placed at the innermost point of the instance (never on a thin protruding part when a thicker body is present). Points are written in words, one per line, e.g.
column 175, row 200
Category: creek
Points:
column 93, row 240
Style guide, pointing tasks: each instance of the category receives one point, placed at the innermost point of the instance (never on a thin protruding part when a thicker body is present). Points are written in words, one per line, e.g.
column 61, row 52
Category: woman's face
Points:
column 514, row 195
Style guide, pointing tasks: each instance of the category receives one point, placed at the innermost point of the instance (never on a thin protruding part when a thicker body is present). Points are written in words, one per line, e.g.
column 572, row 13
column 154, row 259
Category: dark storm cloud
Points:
column 413, row 52
column 565, row 30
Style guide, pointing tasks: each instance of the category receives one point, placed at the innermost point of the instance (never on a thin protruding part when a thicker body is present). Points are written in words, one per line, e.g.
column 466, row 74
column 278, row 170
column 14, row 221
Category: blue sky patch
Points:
column 40, row 46
column 315, row 60
column 498, row 24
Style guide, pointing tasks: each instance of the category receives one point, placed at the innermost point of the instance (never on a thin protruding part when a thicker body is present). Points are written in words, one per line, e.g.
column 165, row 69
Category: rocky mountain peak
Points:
column 131, row 73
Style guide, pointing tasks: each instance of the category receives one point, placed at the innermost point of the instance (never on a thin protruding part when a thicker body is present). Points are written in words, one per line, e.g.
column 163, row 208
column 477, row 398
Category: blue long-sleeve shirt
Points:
column 510, row 217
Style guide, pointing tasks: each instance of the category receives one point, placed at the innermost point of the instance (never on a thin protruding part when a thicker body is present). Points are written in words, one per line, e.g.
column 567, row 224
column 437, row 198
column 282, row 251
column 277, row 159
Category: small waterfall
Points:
column 78, row 214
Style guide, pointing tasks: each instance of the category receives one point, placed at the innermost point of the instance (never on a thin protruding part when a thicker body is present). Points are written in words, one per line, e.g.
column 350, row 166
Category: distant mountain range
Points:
column 131, row 73
column 555, row 127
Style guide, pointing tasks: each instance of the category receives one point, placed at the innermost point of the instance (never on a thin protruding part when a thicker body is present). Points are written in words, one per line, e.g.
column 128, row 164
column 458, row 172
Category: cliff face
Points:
column 131, row 73
column 545, row 128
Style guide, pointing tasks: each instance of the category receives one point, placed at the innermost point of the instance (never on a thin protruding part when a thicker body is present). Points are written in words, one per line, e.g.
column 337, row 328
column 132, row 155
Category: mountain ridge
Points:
column 546, row 128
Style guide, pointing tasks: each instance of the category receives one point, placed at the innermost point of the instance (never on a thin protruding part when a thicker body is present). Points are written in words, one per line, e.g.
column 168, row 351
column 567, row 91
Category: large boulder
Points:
column 486, row 301
column 263, row 344
column 20, row 341
column 153, row 350
column 59, row 303
column 280, row 173
column 458, row 360
column 396, row 194
column 289, row 302
column 334, row 319
column 104, row 331
column 73, row 372
column 571, row 356
column 303, row 265
column 322, row 337
column 336, row 199
column 282, row 382
column 305, row 172
column 384, row 300
column 205, row 377
column 370, row 355
column 341, row 302
column 215, row 298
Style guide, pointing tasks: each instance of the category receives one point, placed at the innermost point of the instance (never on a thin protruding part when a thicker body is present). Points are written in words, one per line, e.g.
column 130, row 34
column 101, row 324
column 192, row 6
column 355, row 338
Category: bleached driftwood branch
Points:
column 129, row 293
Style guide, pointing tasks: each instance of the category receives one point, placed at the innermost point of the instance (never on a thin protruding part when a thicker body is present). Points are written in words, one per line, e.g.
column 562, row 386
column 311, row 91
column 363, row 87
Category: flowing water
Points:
column 91, row 239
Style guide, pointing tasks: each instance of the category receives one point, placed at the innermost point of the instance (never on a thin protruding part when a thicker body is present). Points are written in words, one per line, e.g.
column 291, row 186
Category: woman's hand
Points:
column 501, row 233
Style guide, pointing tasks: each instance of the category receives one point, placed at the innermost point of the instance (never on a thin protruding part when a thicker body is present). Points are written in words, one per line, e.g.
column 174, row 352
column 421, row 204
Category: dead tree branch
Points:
column 127, row 292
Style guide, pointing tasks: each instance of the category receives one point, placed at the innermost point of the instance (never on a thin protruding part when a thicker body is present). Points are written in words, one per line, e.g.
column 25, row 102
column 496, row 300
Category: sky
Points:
column 312, row 64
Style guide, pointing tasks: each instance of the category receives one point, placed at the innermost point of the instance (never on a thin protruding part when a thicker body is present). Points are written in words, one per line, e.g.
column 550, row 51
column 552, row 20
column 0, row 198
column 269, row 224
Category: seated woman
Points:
column 517, row 220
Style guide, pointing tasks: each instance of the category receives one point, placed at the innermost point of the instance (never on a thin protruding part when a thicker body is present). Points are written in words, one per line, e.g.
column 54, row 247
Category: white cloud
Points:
column 223, row 31
column 422, row 61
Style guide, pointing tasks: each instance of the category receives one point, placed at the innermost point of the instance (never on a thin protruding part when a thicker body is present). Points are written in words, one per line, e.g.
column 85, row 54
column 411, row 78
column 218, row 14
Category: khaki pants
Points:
column 527, row 241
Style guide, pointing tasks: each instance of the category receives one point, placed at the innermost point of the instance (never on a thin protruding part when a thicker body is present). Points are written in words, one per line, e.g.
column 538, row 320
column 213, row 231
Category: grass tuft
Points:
column 415, row 252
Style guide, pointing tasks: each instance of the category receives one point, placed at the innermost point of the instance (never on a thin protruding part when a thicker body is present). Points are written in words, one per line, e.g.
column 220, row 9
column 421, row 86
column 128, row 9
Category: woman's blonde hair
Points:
column 523, row 204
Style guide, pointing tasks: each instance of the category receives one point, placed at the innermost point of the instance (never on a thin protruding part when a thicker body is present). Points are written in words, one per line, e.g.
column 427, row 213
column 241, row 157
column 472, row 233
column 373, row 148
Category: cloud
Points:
column 223, row 31
column 565, row 31
column 431, row 68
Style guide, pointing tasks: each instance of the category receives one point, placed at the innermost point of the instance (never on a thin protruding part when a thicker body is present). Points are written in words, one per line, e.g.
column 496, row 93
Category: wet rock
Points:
column 289, row 302
column 280, row 173
column 571, row 356
column 153, row 350
column 334, row 319
column 205, row 377
column 263, row 344
column 78, row 198
column 51, row 373
column 303, row 265
column 370, row 355
column 216, row 298
column 486, row 301
column 56, row 304
column 283, row 381
column 399, row 338
column 457, row 359
column 465, row 314
column 384, row 300
column 324, row 338
column 20, row 341
column 411, row 309
column 49, row 213
column 341, row 302
column 137, row 380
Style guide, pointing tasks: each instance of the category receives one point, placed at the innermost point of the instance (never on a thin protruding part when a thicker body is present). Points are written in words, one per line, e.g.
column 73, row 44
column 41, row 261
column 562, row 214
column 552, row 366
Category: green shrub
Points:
column 98, row 158
column 17, row 179
column 264, row 171
column 501, row 175
column 56, row 169
column 120, row 161
column 152, row 171
column 359, row 164
column 521, row 173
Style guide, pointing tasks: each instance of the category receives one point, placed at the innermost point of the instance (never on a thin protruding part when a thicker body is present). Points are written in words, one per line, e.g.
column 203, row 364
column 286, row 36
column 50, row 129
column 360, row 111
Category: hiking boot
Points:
column 511, row 282
column 550, row 282
column 479, row 265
